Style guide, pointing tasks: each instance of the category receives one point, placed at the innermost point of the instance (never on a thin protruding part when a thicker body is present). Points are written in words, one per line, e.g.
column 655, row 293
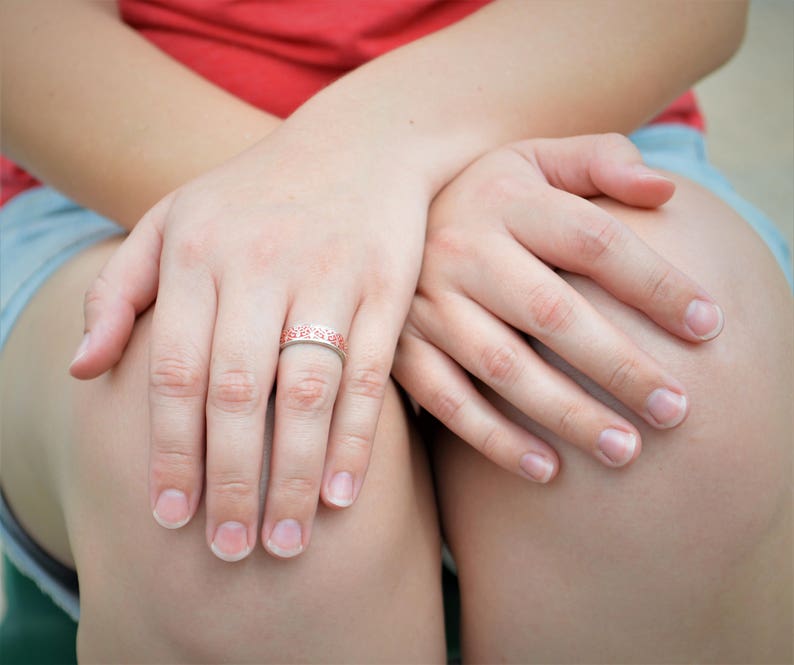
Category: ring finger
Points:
column 307, row 383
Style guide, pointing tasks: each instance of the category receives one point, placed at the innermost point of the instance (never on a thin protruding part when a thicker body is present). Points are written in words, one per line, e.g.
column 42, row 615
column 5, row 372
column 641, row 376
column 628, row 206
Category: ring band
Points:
column 310, row 333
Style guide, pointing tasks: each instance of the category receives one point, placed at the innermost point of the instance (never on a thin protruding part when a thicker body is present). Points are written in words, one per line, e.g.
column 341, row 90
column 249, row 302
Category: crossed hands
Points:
column 277, row 237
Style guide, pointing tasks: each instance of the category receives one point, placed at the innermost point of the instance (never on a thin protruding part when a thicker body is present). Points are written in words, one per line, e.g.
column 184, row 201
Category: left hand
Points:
column 494, row 236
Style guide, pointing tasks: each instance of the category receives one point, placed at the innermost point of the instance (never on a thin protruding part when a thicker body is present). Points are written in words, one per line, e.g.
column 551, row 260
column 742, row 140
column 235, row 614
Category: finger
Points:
column 575, row 235
column 242, row 369
column 125, row 287
column 540, row 303
column 598, row 164
column 358, row 404
column 442, row 388
column 308, row 379
column 500, row 358
column 181, row 338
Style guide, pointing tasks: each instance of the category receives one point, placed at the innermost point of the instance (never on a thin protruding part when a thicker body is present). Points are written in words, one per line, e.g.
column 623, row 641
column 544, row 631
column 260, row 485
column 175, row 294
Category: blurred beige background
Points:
column 749, row 107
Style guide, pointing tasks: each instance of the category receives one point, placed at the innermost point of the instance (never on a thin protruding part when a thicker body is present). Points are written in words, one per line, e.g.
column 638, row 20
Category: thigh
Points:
column 367, row 589
column 686, row 554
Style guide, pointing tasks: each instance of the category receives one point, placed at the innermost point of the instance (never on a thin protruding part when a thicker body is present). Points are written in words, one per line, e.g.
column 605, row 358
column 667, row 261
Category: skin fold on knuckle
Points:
column 354, row 445
column 569, row 421
column 446, row 404
column 309, row 392
column 232, row 488
column 174, row 466
column 176, row 375
column 594, row 239
column 500, row 365
column 295, row 489
column 659, row 285
column 235, row 391
column 368, row 381
column 623, row 377
column 550, row 312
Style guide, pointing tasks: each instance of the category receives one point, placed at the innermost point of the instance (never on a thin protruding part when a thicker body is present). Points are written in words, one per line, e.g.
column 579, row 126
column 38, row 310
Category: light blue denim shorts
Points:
column 40, row 230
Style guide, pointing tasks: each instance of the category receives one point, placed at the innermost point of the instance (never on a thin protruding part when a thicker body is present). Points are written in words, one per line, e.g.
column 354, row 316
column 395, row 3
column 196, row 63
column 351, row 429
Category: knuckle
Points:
column 446, row 404
column 551, row 312
column 310, row 392
column 170, row 463
column 355, row 445
column 232, row 488
column 94, row 293
column 611, row 141
column 500, row 365
column 446, row 241
column 569, row 419
column 191, row 250
column 595, row 238
column 176, row 376
column 235, row 391
column 623, row 375
column 368, row 382
column 659, row 283
column 297, row 487
column 492, row 443
column 501, row 189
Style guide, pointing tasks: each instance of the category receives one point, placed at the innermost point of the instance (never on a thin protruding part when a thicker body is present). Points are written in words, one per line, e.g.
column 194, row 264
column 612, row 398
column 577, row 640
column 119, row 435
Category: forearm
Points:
column 94, row 109
column 524, row 69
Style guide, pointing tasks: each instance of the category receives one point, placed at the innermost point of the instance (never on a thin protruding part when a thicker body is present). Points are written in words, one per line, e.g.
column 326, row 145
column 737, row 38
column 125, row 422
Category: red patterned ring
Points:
column 309, row 333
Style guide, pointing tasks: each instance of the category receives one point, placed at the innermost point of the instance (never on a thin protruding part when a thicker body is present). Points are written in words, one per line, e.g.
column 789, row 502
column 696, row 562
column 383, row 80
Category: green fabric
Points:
column 34, row 629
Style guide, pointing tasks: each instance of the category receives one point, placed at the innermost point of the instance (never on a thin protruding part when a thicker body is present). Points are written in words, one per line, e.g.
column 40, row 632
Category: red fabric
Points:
column 276, row 54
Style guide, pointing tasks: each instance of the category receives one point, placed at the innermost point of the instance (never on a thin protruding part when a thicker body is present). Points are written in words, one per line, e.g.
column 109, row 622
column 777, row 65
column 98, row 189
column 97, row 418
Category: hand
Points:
column 277, row 236
column 495, row 235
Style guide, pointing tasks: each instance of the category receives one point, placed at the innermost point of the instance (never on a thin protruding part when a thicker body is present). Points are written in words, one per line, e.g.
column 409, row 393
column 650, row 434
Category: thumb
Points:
column 125, row 287
column 599, row 164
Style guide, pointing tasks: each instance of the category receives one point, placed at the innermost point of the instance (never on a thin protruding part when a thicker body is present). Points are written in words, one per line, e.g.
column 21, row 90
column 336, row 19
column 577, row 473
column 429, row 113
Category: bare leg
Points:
column 75, row 470
column 685, row 556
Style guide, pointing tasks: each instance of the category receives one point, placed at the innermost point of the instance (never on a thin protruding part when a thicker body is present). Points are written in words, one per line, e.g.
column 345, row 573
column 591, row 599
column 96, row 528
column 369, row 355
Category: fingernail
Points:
column 81, row 350
column 537, row 467
column 231, row 542
column 666, row 407
column 286, row 539
column 649, row 174
column 340, row 490
column 704, row 319
column 616, row 446
column 172, row 510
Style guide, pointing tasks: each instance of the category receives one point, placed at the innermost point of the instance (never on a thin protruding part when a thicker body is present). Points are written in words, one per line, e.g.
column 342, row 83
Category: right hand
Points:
column 495, row 235
column 287, row 232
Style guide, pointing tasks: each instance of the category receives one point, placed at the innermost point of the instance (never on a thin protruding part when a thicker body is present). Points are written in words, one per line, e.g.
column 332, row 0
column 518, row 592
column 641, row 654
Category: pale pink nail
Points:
column 231, row 542
column 286, row 539
column 647, row 173
column 666, row 408
column 537, row 467
column 172, row 509
column 81, row 350
column 340, row 489
column 704, row 319
column 617, row 446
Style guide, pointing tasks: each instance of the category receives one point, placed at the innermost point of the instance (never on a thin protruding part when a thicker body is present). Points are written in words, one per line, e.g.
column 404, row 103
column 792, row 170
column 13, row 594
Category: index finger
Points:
column 576, row 235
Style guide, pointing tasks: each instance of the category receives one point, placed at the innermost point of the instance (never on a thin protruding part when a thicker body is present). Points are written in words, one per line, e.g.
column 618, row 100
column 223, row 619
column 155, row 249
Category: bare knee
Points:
column 668, row 548
column 150, row 594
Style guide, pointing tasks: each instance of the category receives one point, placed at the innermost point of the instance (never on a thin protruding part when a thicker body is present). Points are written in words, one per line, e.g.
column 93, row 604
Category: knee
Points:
column 150, row 594
column 722, row 478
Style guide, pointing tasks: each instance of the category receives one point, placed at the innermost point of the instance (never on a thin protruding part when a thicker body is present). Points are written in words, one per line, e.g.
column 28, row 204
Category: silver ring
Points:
column 312, row 333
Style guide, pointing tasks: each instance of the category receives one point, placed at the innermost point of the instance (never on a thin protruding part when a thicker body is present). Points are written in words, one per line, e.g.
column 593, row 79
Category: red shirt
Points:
column 276, row 54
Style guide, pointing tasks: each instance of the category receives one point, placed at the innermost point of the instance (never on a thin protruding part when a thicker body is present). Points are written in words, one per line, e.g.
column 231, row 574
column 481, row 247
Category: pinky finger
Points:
column 444, row 390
